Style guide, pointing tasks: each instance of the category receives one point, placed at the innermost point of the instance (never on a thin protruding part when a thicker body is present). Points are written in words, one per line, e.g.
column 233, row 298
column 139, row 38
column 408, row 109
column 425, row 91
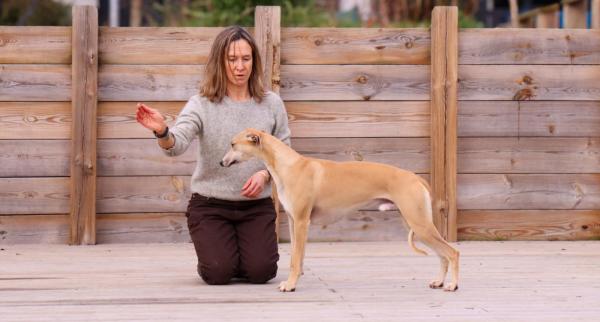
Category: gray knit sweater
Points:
column 214, row 125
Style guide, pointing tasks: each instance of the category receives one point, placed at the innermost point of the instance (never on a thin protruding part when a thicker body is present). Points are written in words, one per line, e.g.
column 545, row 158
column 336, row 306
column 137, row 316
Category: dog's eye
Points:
column 232, row 144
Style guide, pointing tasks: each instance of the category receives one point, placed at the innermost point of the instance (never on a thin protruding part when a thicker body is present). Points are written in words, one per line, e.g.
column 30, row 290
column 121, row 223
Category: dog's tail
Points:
column 411, row 235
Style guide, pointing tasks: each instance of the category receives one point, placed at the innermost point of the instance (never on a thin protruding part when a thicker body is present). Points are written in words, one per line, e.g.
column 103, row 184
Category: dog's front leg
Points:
column 299, row 237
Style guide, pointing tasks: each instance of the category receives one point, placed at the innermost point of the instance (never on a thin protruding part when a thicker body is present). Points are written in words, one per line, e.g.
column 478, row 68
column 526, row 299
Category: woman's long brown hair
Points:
column 214, row 85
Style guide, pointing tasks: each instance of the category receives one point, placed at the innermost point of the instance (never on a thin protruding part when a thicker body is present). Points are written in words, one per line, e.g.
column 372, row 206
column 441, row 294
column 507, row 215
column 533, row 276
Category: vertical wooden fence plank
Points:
column 267, row 33
column 595, row 14
column 575, row 13
column 514, row 13
column 83, row 140
column 444, row 76
column 548, row 17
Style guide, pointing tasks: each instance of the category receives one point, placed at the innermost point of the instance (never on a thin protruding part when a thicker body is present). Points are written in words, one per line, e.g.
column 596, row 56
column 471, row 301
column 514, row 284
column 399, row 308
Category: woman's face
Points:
column 238, row 62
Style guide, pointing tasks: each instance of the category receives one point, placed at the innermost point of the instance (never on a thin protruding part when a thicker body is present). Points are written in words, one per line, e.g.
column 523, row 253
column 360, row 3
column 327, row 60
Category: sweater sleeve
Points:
column 186, row 128
column 281, row 129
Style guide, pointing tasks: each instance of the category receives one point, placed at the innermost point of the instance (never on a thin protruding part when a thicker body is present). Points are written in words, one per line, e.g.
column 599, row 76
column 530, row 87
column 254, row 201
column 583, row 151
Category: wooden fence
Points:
column 503, row 122
column 574, row 15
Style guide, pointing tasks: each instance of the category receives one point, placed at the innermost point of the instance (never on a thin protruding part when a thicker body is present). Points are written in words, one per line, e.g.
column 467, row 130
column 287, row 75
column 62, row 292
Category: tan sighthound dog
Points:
column 311, row 189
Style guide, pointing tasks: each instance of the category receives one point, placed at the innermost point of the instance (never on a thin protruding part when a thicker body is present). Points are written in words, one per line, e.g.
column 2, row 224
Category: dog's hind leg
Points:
column 415, row 206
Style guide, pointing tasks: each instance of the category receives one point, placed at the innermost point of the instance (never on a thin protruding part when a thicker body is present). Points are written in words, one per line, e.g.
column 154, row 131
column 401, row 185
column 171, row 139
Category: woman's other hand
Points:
column 255, row 185
column 150, row 118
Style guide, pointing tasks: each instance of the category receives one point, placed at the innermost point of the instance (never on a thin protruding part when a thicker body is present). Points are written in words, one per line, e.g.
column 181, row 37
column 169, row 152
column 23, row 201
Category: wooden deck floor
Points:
column 500, row 281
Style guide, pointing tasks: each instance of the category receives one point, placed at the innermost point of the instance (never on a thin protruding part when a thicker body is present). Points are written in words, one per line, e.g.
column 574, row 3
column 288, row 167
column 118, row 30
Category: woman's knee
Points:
column 260, row 273
column 216, row 274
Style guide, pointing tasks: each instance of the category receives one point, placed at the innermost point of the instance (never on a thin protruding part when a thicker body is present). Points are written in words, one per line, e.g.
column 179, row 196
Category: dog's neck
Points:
column 276, row 155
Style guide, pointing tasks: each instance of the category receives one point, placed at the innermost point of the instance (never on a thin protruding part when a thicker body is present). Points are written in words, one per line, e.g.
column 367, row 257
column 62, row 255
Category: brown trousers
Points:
column 233, row 239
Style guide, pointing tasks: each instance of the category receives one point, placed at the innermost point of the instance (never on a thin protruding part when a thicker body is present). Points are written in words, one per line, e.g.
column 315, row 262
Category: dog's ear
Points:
column 254, row 138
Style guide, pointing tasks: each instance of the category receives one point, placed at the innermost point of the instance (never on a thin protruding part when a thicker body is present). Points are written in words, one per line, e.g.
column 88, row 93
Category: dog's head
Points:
column 244, row 146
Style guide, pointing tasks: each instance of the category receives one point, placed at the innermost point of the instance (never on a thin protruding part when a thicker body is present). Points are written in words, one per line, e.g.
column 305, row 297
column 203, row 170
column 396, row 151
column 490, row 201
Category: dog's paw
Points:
column 286, row 287
column 436, row 284
column 451, row 287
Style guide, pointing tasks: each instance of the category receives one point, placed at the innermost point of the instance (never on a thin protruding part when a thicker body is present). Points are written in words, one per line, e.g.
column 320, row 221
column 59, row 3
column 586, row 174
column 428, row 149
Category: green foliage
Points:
column 464, row 21
column 212, row 13
column 304, row 15
column 34, row 13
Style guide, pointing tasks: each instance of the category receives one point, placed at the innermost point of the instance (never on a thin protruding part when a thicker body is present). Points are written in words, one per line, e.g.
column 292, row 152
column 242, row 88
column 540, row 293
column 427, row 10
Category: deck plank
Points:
column 375, row 281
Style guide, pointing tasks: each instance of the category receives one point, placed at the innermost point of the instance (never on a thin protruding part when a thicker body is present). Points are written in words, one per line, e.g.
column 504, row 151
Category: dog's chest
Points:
column 283, row 199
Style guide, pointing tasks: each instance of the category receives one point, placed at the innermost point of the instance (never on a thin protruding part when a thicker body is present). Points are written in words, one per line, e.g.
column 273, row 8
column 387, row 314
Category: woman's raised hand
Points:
column 150, row 118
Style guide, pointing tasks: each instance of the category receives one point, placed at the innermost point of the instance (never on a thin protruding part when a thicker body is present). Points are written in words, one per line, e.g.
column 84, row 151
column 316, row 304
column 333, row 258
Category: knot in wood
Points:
column 357, row 156
column 527, row 80
column 523, row 94
column 362, row 79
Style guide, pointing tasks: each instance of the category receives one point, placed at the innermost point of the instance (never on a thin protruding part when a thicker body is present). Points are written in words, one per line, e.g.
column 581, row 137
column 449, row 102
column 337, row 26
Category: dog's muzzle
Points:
column 227, row 165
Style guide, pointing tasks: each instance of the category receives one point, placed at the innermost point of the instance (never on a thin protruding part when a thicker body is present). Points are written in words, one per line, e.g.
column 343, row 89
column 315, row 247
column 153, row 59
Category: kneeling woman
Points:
column 231, row 217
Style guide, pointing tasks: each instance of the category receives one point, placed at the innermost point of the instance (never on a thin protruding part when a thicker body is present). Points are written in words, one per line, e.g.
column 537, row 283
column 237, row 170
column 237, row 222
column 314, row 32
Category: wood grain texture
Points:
column 117, row 119
column 155, row 45
column 267, row 33
column 34, row 195
column 529, row 225
column 529, row 118
column 359, row 119
column 307, row 119
column 143, row 157
column 34, row 229
column 148, row 82
column 529, row 155
column 118, row 228
column 298, row 82
column 35, row 45
column 548, row 19
column 143, row 194
column 354, row 82
column 134, row 157
column 143, row 228
column 534, row 82
column 444, row 65
column 35, row 120
column 575, row 14
column 172, row 228
column 364, row 225
column 438, row 119
column 355, row 46
column 408, row 153
column 595, row 10
column 529, row 191
column 346, row 282
column 83, row 127
column 34, row 158
column 501, row 46
column 48, row 83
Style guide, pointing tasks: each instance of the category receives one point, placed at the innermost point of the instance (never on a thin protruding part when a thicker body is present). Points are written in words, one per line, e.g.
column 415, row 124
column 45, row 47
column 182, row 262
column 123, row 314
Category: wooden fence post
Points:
column 575, row 13
column 548, row 17
column 83, row 129
column 444, row 76
column 595, row 14
column 267, row 33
